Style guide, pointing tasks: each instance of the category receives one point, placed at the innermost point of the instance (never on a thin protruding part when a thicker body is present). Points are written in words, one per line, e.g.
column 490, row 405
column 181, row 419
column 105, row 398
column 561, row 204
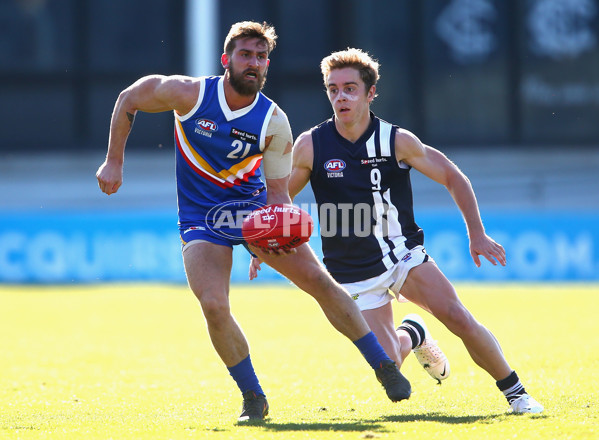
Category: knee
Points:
column 216, row 309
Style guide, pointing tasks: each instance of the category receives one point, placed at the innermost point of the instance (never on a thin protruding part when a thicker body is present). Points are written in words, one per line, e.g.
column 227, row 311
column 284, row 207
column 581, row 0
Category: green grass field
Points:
column 135, row 362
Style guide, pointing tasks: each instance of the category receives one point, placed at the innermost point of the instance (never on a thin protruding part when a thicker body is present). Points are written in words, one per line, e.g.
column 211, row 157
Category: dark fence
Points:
column 456, row 72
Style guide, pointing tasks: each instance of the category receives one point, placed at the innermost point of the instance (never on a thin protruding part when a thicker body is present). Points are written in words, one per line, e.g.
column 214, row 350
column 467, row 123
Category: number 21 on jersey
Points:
column 237, row 147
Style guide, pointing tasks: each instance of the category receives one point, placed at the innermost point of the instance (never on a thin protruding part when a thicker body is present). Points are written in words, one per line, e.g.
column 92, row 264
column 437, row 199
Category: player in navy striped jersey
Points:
column 224, row 129
column 359, row 169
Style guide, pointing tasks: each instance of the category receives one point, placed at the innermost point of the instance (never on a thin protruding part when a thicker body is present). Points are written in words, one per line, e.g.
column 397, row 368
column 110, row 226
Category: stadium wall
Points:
column 89, row 247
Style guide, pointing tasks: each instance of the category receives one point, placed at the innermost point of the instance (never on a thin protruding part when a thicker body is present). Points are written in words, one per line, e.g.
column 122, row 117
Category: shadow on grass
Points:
column 356, row 426
column 377, row 424
column 443, row 418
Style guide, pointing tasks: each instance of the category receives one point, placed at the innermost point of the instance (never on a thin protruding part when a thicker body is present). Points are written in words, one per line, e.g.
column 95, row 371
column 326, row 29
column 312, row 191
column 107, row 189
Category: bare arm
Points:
column 277, row 191
column 154, row 93
column 289, row 186
column 303, row 157
column 283, row 190
column 435, row 165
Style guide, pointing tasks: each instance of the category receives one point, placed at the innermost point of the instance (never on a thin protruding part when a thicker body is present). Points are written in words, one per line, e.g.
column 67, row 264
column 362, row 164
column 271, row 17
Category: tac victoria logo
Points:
column 281, row 218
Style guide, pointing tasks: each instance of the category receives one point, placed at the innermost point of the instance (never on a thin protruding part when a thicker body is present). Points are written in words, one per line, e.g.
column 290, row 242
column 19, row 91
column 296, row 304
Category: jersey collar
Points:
column 232, row 114
column 356, row 147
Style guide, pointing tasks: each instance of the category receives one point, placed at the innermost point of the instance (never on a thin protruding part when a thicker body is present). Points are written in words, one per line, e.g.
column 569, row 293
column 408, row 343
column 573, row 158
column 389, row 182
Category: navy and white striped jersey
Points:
column 364, row 197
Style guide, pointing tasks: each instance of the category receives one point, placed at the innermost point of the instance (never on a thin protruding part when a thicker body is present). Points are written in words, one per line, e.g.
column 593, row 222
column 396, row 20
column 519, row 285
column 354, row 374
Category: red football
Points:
column 277, row 226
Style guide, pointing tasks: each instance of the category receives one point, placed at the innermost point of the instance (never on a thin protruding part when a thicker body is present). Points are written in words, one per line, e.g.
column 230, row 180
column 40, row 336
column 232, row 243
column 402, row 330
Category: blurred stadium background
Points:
column 509, row 89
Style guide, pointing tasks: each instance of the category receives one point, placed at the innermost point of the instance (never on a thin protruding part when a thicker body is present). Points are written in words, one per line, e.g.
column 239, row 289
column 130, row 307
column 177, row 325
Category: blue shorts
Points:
column 222, row 224
column 201, row 231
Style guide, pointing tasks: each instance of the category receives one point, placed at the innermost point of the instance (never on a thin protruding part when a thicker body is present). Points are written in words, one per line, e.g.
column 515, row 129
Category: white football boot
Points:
column 428, row 353
column 525, row 404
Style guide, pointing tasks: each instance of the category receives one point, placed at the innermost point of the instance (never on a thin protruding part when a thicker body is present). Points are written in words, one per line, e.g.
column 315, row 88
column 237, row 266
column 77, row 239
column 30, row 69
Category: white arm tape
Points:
column 277, row 156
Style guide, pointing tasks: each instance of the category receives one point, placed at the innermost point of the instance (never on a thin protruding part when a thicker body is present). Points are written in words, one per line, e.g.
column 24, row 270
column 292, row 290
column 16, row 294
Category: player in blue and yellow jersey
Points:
column 359, row 169
column 225, row 128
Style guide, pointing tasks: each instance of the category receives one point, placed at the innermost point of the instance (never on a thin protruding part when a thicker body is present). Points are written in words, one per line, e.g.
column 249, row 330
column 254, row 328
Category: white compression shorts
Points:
column 376, row 292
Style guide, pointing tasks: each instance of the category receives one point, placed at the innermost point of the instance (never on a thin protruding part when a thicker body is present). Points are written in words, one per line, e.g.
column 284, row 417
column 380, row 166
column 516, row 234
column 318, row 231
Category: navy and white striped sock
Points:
column 511, row 387
column 415, row 331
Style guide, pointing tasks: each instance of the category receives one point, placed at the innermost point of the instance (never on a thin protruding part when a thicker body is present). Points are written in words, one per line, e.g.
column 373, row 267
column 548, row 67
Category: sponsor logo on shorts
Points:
column 407, row 257
column 355, row 296
column 194, row 228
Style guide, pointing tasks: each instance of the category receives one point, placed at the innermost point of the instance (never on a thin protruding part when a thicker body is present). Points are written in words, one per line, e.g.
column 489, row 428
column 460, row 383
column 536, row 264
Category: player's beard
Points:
column 243, row 86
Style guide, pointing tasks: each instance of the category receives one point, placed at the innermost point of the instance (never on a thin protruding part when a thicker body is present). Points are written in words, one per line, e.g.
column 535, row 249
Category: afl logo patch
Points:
column 334, row 165
column 206, row 125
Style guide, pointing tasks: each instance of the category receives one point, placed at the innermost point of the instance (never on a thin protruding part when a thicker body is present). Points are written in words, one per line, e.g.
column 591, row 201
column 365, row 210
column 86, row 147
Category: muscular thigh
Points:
column 208, row 268
column 302, row 268
column 427, row 287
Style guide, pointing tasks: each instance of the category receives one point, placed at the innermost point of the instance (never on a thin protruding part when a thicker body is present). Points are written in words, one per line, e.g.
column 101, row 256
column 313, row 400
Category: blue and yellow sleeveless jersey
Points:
column 219, row 152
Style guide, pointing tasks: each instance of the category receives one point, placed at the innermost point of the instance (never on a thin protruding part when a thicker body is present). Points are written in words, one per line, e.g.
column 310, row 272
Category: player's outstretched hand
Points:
column 255, row 262
column 254, row 267
column 110, row 177
column 488, row 248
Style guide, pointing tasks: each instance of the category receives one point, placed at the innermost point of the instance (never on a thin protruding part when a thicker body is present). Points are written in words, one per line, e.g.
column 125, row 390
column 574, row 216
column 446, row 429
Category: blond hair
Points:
column 351, row 57
column 250, row 29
